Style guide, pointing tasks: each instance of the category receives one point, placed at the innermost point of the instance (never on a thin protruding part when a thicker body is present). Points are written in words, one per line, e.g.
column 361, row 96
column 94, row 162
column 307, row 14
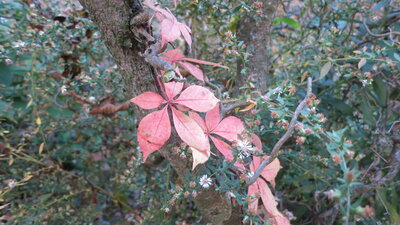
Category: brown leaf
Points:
column 109, row 107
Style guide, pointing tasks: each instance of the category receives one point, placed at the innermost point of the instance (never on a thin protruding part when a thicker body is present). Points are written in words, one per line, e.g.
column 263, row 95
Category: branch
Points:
column 226, row 110
column 394, row 169
column 284, row 138
column 150, row 56
column 391, row 33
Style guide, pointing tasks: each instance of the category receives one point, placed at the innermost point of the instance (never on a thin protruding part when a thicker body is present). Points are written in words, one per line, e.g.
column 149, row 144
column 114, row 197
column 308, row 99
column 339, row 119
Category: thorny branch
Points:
column 284, row 138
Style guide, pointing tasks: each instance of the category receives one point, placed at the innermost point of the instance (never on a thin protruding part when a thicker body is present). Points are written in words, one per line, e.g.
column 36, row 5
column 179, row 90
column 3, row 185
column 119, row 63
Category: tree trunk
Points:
column 112, row 18
column 257, row 37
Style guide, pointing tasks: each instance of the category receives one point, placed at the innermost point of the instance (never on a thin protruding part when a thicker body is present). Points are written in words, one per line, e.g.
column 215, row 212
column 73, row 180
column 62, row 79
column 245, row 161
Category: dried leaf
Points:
column 41, row 147
column 247, row 108
column 3, row 206
column 362, row 62
column 325, row 70
column 109, row 107
column 38, row 121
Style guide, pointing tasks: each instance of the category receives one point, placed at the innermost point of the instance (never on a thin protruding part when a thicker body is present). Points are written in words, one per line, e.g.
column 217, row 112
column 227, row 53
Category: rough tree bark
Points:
column 257, row 37
column 112, row 18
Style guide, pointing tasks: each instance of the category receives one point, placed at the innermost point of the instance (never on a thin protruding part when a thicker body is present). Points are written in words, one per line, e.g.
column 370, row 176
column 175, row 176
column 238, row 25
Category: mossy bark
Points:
column 112, row 18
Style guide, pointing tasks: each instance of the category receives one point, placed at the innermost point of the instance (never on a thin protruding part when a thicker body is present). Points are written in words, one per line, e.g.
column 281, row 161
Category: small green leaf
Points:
column 168, row 76
column 288, row 21
column 381, row 91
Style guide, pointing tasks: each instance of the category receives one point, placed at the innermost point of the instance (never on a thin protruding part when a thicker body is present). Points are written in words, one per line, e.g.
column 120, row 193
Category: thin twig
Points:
column 285, row 137
column 226, row 110
column 218, row 89
column 391, row 127
column 378, row 35
column 394, row 169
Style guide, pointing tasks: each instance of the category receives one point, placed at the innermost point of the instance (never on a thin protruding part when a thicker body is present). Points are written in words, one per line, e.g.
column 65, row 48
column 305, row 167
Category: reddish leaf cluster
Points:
column 260, row 188
column 171, row 29
column 213, row 127
column 155, row 128
column 184, row 107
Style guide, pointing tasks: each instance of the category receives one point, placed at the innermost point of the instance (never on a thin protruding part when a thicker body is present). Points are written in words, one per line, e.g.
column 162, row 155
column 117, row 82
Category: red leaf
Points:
column 197, row 98
column 158, row 9
column 256, row 141
column 177, row 71
column 189, row 131
column 270, row 171
column 229, row 128
column 173, row 55
column 153, row 131
column 148, row 100
column 253, row 194
column 172, row 89
column 185, row 30
column 203, row 62
column 196, row 117
column 213, row 118
column 169, row 31
column 199, row 157
column 194, row 70
column 223, row 147
column 270, row 204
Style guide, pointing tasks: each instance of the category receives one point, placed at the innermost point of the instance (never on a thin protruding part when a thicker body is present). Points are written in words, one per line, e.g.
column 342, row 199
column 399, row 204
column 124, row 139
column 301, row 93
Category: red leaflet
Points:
column 176, row 58
column 155, row 128
column 269, row 172
column 213, row 123
column 173, row 89
column 171, row 29
column 148, row 100
column 270, row 204
column 253, row 194
column 197, row 98
column 260, row 187
column 153, row 131
column 199, row 157
column 189, row 131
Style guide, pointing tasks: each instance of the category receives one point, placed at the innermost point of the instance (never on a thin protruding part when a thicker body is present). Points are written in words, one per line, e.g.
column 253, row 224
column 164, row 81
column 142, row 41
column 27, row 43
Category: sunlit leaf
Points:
column 148, row 100
column 197, row 98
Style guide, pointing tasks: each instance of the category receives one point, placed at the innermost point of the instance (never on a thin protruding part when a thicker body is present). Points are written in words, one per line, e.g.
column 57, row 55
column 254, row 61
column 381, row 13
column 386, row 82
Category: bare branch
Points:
column 284, row 138
column 391, row 33
column 394, row 169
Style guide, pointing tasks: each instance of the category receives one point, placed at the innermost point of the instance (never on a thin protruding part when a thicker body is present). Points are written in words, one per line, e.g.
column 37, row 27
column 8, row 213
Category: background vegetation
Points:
column 60, row 164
